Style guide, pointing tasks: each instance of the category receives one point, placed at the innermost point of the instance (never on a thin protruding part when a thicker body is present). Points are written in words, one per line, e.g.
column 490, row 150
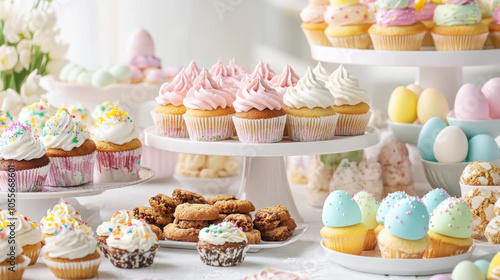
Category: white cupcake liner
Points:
column 397, row 42
column 495, row 39
column 352, row 124
column 117, row 166
column 260, row 130
column 74, row 269
column 362, row 41
column 209, row 128
column 305, row 129
column 33, row 255
column 6, row 274
column 29, row 180
column 316, row 37
column 459, row 42
column 71, row 171
column 170, row 125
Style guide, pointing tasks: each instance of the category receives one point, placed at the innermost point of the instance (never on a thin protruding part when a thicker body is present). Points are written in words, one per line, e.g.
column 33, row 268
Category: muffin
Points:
column 351, row 103
column 21, row 260
column 450, row 229
column 5, row 120
column 20, row 150
column 104, row 230
column 28, row 235
column 286, row 79
column 368, row 206
column 405, row 233
column 494, row 25
column 259, row 115
column 384, row 208
column 309, row 112
column 314, row 25
column 36, row 114
column 71, row 254
column 222, row 245
column 433, row 198
column 343, row 230
column 118, row 148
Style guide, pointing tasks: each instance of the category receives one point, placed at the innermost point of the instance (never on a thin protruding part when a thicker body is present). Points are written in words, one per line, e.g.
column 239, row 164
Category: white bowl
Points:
column 206, row 185
column 405, row 132
column 472, row 128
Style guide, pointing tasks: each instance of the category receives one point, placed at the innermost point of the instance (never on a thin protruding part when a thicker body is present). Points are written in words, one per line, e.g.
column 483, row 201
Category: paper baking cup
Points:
column 397, row 253
column 170, row 125
column 136, row 259
column 349, row 245
column 397, row 42
column 209, row 128
column 71, row 171
column 370, row 241
column 351, row 42
column 316, row 37
column 32, row 251
column 117, row 166
column 352, row 124
column 427, row 41
column 459, row 42
column 30, row 180
column 6, row 274
column 260, row 130
column 74, row 269
column 495, row 39
column 438, row 249
column 304, row 129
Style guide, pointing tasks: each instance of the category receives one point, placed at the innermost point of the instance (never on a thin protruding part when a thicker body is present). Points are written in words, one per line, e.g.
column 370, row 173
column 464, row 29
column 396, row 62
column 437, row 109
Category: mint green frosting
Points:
column 333, row 160
column 391, row 4
column 453, row 217
column 452, row 14
column 368, row 206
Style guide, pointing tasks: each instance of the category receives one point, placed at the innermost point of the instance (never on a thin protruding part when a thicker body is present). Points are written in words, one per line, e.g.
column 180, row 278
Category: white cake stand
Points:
column 264, row 179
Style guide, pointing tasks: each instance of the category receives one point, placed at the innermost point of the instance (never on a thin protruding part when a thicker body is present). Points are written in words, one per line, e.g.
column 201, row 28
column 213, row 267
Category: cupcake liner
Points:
column 170, row 125
column 6, row 274
column 397, row 42
column 305, row 129
column 260, row 130
column 71, row 171
column 459, row 42
column 209, row 128
column 104, row 248
column 495, row 39
column 370, row 241
column 32, row 252
column 316, row 37
column 438, row 249
column 352, row 124
column 30, row 180
column 397, row 253
column 74, row 269
column 351, row 42
column 220, row 255
column 131, row 260
column 117, row 166
column 427, row 41
column 349, row 245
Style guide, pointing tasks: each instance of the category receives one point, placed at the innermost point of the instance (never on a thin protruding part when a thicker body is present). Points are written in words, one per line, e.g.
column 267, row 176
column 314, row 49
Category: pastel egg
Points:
column 84, row 78
column 340, row 210
column 491, row 90
column 408, row 219
column 466, row 270
column 74, row 73
column 451, row 145
column 471, row 104
column 63, row 75
column 483, row 265
column 482, row 147
column 102, row 78
column 432, row 103
column 494, row 269
column 415, row 88
column 368, row 206
column 402, row 107
column 427, row 138
column 121, row 72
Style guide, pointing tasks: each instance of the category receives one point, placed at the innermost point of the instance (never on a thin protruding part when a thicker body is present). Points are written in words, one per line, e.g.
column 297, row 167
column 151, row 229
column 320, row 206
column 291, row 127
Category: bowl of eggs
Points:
column 474, row 127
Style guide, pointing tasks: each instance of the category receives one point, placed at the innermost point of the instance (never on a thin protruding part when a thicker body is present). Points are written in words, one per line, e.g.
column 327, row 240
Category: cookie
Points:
column 290, row 223
column 280, row 210
column 150, row 216
column 157, row 231
column 253, row 236
column 183, row 196
column 196, row 212
column 220, row 197
column 220, row 219
column 276, row 234
column 234, row 206
column 191, row 224
column 241, row 221
column 163, row 204
column 173, row 232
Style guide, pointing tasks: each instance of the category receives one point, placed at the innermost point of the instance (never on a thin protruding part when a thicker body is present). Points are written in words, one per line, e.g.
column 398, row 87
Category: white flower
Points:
column 11, row 101
column 58, row 51
column 46, row 39
column 13, row 23
column 41, row 20
column 30, row 89
column 6, row 9
column 55, row 65
column 24, row 50
column 8, row 57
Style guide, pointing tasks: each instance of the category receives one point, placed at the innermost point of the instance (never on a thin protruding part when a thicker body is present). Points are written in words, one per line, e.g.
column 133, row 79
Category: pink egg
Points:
column 491, row 91
column 471, row 104
column 140, row 43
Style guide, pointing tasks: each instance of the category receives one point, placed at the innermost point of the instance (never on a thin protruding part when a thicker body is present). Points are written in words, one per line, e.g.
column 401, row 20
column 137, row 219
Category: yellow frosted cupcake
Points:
column 314, row 25
column 494, row 25
column 368, row 206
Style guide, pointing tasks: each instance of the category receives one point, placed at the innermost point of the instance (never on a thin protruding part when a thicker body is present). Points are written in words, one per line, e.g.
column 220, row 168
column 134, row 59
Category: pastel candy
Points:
column 102, row 78
column 387, row 203
column 408, row 219
column 433, row 198
column 340, row 210
column 368, row 206
column 452, row 217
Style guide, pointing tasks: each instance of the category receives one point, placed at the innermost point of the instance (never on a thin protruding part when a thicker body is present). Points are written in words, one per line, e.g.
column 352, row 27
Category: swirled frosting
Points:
column 27, row 232
column 309, row 92
column 115, row 127
column 321, row 73
column 4, row 244
column 223, row 77
column 222, row 233
column 257, row 95
column 496, row 16
column 101, row 109
column 206, row 94
column 229, row 84
column 313, row 13
column 219, row 69
column 61, row 214
column 287, row 78
column 175, row 91
column 261, row 69
column 5, row 120
column 136, row 235
column 80, row 113
column 36, row 114
column 70, row 244
column 352, row 14
column 61, row 132
column 119, row 218
column 192, row 71
column 17, row 143
column 345, row 88
column 452, row 14
column 237, row 70
column 394, row 4
column 427, row 13
column 396, row 17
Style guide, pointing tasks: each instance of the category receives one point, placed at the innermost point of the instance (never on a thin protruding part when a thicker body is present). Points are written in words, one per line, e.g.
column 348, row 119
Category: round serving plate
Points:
column 484, row 246
column 405, row 132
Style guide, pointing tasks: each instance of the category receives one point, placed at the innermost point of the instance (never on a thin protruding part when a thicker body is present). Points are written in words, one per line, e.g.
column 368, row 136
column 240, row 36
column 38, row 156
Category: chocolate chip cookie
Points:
column 241, row 221
column 151, row 216
column 191, row 224
column 183, row 196
column 157, row 231
column 290, row 223
column 220, row 197
column 234, row 206
column 253, row 236
column 163, row 203
column 173, row 232
column 276, row 234
column 196, row 212
column 270, row 217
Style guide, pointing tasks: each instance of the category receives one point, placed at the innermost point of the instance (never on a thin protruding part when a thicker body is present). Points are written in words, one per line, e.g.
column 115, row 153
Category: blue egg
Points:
column 433, row 198
column 427, row 137
column 340, row 210
column 408, row 219
column 483, row 265
column 387, row 203
column 482, row 147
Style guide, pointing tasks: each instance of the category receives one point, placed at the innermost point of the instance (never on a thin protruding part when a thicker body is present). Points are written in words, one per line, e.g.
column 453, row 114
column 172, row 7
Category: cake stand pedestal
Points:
column 264, row 180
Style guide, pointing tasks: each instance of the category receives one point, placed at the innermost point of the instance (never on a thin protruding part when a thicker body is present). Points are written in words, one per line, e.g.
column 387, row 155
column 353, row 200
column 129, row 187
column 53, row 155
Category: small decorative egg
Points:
column 452, row 217
column 415, row 88
column 368, row 206
column 140, row 43
column 74, row 73
column 402, row 106
column 491, row 91
column 466, row 270
column 427, row 138
column 482, row 147
column 340, row 210
column 433, row 198
column 408, row 219
column 387, row 203
column 121, row 72
column 102, row 78
column 451, row 145
column 63, row 75
column 483, row 265
column 432, row 103
column 494, row 269
column 471, row 104
column 85, row 78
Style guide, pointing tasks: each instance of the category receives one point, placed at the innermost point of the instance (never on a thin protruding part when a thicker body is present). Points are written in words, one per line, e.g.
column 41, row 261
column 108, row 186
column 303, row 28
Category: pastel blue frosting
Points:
column 433, row 198
column 340, row 210
column 408, row 219
column 387, row 203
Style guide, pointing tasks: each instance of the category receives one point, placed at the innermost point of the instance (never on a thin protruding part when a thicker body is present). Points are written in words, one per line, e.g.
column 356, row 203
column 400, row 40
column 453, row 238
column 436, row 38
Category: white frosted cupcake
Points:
column 119, row 219
column 36, row 114
column 28, row 235
column 21, row 260
column 321, row 73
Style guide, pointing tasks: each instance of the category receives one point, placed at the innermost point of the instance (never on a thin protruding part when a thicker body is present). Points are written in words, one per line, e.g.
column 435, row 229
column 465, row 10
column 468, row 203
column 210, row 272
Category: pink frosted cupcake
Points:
column 426, row 16
column 261, row 69
column 286, row 79
column 192, row 71
column 208, row 110
column 227, row 81
column 167, row 116
column 236, row 70
column 259, row 115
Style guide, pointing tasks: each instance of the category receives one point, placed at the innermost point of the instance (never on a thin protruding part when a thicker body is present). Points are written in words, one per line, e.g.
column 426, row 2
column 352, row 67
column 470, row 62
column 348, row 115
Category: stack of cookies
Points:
column 189, row 220
column 274, row 223
column 157, row 216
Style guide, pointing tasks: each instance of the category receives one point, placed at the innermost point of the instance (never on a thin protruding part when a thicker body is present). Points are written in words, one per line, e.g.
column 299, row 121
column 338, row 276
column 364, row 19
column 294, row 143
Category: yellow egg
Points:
column 432, row 103
column 494, row 270
column 402, row 106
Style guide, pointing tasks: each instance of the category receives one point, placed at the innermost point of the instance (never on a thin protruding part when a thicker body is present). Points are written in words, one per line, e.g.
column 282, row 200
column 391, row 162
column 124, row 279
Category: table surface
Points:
column 304, row 256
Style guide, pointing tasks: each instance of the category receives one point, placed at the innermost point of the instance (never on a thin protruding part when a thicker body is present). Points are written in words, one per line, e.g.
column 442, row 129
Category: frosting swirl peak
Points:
column 222, row 233
column 206, row 94
column 18, row 143
column 257, row 95
column 309, row 92
column 61, row 132
column 345, row 88
column 116, row 127
column 175, row 91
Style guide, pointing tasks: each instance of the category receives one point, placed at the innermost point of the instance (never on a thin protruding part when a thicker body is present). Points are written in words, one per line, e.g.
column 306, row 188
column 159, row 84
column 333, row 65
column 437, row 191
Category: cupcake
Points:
column 22, row 153
column 136, row 75
column 28, row 235
column 368, row 206
column 36, row 114
column 433, row 198
column 222, row 245
column 105, row 229
column 426, row 16
column 81, row 114
column 192, row 71
column 397, row 27
column 314, row 25
column 167, row 116
column 21, row 261
column 227, row 80
column 259, row 116
column 209, row 110
column 405, row 233
column 5, row 120
column 351, row 103
column 118, row 148
column 286, row 79
column 71, row 254
column 450, row 229
column 101, row 109
column 70, row 150
column 343, row 230
column 263, row 69
column 494, row 26
column 132, row 246
column 236, row 70
column 321, row 73
column 458, row 26
column 385, row 206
